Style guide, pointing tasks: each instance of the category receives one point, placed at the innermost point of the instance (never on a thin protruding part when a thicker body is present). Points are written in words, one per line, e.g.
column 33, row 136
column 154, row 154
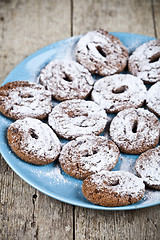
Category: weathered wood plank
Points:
column 136, row 224
column 124, row 16
column 113, row 15
column 26, row 26
column 156, row 15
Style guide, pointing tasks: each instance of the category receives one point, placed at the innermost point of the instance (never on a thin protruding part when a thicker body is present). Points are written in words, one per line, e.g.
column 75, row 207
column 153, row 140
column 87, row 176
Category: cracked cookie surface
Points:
column 74, row 118
column 113, row 189
column 66, row 80
column 135, row 130
column 22, row 99
column 145, row 62
column 101, row 53
column 33, row 141
column 118, row 92
column 87, row 155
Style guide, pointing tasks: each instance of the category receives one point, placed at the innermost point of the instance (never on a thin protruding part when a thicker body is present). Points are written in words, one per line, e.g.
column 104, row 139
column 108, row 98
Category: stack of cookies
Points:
column 88, row 155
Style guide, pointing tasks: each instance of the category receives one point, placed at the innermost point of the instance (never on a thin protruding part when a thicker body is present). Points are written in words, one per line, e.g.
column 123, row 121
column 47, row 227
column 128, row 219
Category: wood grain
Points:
column 115, row 16
column 156, row 16
column 26, row 26
column 135, row 224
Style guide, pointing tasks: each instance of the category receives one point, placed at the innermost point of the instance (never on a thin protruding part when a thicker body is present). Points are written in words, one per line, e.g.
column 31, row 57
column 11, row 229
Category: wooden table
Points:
column 26, row 26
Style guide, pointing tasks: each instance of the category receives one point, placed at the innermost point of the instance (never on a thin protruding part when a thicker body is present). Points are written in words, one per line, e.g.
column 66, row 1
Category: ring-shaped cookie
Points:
column 135, row 130
column 118, row 92
column 148, row 167
column 113, row 189
column 145, row 62
column 66, row 80
column 87, row 155
column 101, row 53
column 33, row 141
column 74, row 118
column 22, row 99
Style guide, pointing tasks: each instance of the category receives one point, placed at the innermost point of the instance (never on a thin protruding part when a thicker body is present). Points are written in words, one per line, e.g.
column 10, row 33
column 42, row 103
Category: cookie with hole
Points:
column 135, row 130
column 145, row 62
column 113, row 189
column 148, row 167
column 118, row 92
column 66, row 80
column 33, row 141
column 88, row 154
column 73, row 118
column 22, row 99
column 101, row 53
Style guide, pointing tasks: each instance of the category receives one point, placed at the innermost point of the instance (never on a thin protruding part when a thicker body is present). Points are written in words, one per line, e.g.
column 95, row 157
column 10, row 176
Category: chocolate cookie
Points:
column 74, row 118
column 22, row 99
column 33, row 141
column 145, row 61
column 87, row 155
column 135, row 130
column 148, row 167
column 113, row 189
column 118, row 92
column 101, row 53
column 153, row 99
column 66, row 80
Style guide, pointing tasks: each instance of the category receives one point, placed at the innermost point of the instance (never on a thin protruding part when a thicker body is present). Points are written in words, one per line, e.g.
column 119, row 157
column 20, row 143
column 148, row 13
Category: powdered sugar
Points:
column 148, row 167
column 153, row 98
column 53, row 175
column 101, row 53
column 74, row 118
column 87, row 155
column 66, row 80
column 119, row 182
column 135, row 130
column 144, row 61
column 151, row 197
column 37, row 138
column 24, row 99
column 120, row 91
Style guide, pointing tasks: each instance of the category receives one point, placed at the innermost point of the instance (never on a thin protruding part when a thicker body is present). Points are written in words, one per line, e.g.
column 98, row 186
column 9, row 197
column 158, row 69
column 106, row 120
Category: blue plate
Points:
column 50, row 179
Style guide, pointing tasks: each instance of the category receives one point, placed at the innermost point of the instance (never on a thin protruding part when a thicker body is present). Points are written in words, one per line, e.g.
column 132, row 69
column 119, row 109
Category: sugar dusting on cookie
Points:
column 153, row 99
column 33, row 141
column 127, row 183
column 145, row 61
column 88, row 154
column 135, row 130
column 101, row 53
column 21, row 99
column 66, row 80
column 118, row 92
column 73, row 118
column 148, row 167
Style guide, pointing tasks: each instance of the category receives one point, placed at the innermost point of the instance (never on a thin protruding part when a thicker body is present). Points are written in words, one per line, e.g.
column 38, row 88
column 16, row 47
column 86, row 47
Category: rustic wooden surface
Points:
column 26, row 26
